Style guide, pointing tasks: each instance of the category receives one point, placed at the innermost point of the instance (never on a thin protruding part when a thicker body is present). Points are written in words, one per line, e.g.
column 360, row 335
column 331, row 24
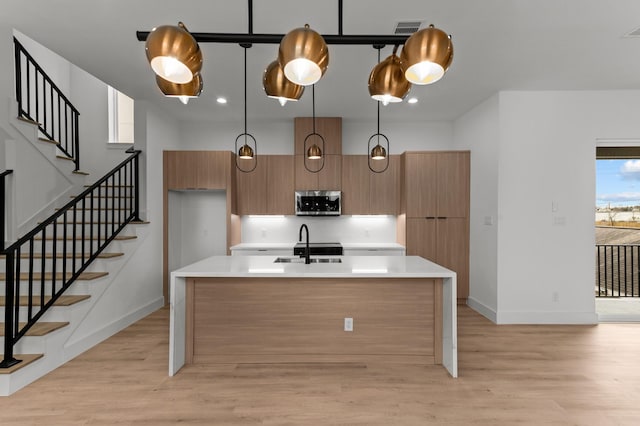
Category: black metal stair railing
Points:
column 41, row 101
column 617, row 270
column 78, row 232
column 3, row 207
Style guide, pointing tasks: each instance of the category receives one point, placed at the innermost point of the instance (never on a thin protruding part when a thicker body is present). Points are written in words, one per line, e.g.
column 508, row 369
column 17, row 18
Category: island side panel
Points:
column 301, row 320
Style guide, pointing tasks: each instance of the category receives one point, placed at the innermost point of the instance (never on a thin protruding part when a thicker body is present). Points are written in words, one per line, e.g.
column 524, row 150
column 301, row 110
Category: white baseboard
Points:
column 618, row 318
column 546, row 317
column 482, row 309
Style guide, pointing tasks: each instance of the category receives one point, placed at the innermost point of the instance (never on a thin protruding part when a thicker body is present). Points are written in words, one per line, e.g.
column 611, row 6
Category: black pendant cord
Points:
column 313, row 107
column 378, row 105
column 313, row 134
column 378, row 134
column 246, row 134
column 245, row 95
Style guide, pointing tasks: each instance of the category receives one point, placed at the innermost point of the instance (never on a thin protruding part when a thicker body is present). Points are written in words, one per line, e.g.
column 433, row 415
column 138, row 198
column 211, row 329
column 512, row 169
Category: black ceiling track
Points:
column 251, row 38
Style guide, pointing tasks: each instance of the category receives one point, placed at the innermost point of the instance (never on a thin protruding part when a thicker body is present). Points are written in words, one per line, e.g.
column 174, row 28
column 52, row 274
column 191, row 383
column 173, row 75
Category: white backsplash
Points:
column 342, row 229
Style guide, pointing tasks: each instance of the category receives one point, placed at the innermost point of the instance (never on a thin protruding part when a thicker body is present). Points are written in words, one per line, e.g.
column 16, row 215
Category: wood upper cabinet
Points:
column 330, row 128
column 280, row 188
column 436, row 184
column 251, row 188
column 384, row 188
column 356, row 195
column 268, row 189
column 196, row 169
column 366, row 192
column 328, row 178
column 453, row 184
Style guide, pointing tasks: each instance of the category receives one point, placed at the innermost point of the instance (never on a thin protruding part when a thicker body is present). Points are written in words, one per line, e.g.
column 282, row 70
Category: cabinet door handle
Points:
column 430, row 217
column 442, row 217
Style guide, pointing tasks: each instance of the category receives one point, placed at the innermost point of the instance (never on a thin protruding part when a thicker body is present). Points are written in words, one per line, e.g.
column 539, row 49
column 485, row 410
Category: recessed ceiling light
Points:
column 221, row 100
column 413, row 100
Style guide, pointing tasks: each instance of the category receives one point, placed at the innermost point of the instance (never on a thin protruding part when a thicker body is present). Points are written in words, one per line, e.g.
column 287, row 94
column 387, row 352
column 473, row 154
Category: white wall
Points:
column 546, row 157
column 343, row 229
column 276, row 137
column 478, row 131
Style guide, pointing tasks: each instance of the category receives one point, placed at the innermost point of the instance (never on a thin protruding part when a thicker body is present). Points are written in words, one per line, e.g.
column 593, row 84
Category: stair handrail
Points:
column 3, row 206
column 130, row 169
column 68, row 140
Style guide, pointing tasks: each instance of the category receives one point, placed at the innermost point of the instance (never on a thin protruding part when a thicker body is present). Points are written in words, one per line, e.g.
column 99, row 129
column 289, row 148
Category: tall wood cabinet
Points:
column 330, row 176
column 366, row 192
column 269, row 188
column 435, row 200
column 196, row 169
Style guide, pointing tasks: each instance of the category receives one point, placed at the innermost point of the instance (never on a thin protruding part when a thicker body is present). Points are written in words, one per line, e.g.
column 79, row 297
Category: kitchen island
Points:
column 252, row 309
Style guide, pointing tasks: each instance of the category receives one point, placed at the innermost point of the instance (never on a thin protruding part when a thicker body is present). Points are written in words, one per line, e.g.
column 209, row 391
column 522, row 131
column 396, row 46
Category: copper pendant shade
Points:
column 378, row 152
column 182, row 91
column 173, row 53
column 387, row 82
column 314, row 152
column 426, row 55
column 303, row 55
column 245, row 152
column 277, row 86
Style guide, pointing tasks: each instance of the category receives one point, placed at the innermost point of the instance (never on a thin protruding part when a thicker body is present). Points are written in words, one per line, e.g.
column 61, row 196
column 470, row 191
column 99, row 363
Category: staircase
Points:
column 59, row 281
column 56, row 275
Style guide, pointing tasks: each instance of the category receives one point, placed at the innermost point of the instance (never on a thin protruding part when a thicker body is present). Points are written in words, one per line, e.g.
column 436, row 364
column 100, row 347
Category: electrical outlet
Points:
column 555, row 297
column 348, row 324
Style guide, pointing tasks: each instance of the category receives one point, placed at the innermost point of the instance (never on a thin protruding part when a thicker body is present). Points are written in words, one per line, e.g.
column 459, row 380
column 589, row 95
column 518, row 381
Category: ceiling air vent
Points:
column 407, row 27
column 634, row 33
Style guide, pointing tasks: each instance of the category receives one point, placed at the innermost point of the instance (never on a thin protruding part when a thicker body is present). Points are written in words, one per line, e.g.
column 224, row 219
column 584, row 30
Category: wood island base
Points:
column 278, row 320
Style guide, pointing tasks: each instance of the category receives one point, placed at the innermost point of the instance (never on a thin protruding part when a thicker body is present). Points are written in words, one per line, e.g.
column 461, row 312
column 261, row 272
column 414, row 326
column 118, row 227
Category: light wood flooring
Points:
column 509, row 375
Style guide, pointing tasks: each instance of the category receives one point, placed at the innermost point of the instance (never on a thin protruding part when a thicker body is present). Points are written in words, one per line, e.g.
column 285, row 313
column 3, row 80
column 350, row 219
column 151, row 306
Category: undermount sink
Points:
column 313, row 260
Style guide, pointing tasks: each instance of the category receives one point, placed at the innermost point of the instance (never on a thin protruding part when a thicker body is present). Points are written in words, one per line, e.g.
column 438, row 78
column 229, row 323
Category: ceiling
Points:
column 499, row 45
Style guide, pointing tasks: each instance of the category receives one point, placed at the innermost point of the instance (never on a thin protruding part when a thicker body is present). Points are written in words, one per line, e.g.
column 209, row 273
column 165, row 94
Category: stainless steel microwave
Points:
column 318, row 203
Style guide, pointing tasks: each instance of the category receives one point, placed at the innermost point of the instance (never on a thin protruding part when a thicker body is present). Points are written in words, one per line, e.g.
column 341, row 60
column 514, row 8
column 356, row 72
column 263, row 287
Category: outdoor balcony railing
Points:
column 617, row 270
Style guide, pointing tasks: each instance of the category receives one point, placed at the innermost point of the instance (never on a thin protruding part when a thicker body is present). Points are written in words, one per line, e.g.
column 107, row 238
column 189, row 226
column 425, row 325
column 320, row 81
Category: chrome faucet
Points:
column 307, row 259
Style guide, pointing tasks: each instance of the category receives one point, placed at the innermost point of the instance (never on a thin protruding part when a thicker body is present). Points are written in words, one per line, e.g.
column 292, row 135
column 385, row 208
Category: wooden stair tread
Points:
column 40, row 328
column 69, row 222
column 111, row 186
column 103, row 255
column 78, row 237
column 51, row 141
column 101, row 208
column 62, row 300
column 26, row 360
column 105, row 196
column 80, row 172
column 63, row 157
column 27, row 120
column 85, row 276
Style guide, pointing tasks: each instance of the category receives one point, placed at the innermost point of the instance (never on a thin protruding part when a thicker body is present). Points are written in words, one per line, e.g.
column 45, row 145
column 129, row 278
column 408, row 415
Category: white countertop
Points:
column 347, row 246
column 351, row 267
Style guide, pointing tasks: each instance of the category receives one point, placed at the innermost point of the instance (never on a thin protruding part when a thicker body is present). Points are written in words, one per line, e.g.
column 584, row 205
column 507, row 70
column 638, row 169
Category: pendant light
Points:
column 313, row 152
column 246, row 152
column 184, row 92
column 378, row 152
column 303, row 55
column 173, row 53
column 387, row 82
column 277, row 86
column 426, row 55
